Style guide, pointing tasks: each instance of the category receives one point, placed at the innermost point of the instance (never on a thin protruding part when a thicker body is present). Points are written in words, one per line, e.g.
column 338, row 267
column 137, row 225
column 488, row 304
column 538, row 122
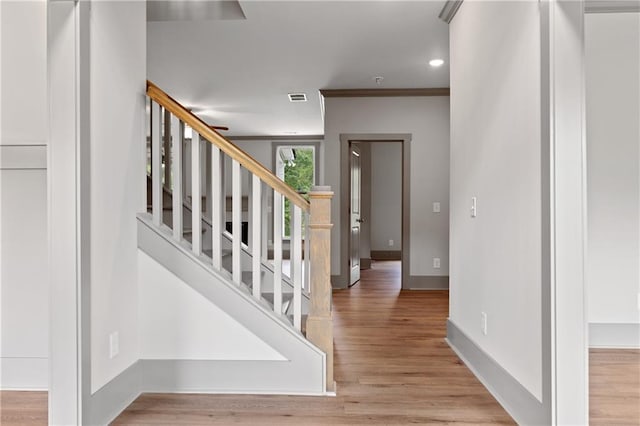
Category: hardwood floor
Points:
column 614, row 387
column 392, row 367
column 23, row 408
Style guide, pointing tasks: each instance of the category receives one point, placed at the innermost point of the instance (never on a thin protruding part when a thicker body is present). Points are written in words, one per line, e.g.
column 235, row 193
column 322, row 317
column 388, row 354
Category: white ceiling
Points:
column 238, row 73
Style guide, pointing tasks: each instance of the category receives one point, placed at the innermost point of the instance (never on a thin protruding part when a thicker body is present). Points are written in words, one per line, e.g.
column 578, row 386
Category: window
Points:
column 296, row 165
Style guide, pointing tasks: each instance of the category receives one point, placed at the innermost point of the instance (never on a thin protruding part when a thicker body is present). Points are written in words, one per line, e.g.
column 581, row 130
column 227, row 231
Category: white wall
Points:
column 386, row 195
column 613, row 166
column 176, row 322
column 118, row 75
column 495, row 156
column 427, row 119
column 24, row 290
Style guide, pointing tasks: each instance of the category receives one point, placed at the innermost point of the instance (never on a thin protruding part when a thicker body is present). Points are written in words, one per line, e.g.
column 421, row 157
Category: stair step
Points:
column 225, row 253
column 287, row 300
column 189, row 231
column 165, row 208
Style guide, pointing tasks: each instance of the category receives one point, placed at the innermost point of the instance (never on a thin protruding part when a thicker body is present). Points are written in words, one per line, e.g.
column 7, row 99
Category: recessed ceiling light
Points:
column 436, row 62
column 297, row 97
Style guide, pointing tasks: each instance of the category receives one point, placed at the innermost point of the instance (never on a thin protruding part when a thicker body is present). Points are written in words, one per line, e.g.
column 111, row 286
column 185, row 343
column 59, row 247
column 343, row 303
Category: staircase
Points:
column 228, row 248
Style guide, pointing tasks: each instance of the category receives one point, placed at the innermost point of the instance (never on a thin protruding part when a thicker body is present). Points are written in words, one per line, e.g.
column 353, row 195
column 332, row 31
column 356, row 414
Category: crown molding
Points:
column 612, row 6
column 276, row 137
column 363, row 93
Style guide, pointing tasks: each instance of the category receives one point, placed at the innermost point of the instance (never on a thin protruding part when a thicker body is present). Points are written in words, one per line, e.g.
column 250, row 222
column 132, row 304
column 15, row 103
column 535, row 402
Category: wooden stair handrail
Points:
column 213, row 137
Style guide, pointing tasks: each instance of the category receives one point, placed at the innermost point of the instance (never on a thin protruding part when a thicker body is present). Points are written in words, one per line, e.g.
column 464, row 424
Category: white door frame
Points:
column 342, row 280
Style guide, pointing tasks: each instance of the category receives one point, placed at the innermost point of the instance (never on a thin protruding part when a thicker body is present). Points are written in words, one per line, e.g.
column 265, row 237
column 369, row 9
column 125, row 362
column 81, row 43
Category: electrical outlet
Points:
column 436, row 207
column 114, row 345
column 474, row 207
column 390, row 243
column 436, row 262
column 483, row 322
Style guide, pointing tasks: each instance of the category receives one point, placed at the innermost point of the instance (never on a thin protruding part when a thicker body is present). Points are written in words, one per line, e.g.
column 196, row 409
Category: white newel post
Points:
column 320, row 320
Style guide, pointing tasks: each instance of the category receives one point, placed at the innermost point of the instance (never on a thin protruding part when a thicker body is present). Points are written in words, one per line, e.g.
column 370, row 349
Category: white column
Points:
column 565, row 188
column 68, row 194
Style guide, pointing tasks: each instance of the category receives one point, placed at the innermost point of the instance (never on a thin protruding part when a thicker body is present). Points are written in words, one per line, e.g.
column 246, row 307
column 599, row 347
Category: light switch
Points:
column 436, row 207
column 474, row 207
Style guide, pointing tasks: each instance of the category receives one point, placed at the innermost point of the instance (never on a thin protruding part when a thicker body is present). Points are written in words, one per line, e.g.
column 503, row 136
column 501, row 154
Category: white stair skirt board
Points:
column 514, row 398
column 614, row 335
column 303, row 372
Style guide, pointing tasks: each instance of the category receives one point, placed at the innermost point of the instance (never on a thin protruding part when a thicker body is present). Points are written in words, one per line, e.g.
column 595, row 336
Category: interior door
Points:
column 355, row 212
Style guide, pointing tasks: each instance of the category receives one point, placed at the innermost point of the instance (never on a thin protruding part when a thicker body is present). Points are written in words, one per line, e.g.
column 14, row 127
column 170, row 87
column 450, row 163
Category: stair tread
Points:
column 285, row 297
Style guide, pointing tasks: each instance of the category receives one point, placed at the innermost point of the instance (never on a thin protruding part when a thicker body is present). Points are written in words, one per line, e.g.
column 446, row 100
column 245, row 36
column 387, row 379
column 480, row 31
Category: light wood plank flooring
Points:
column 392, row 367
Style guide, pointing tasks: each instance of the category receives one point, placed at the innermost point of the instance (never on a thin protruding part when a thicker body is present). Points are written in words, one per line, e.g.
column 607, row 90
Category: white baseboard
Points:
column 614, row 335
column 190, row 376
column 114, row 397
column 428, row 282
column 523, row 406
column 227, row 377
column 24, row 374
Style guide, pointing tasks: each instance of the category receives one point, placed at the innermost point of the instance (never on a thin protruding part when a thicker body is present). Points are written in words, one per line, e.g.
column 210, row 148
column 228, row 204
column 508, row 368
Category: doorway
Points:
column 374, row 205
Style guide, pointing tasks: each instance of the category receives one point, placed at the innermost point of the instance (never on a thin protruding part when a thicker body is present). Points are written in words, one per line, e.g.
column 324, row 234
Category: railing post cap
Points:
column 320, row 192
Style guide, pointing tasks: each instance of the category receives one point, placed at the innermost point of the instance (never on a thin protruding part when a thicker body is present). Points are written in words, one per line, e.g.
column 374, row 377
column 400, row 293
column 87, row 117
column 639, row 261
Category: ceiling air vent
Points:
column 298, row 97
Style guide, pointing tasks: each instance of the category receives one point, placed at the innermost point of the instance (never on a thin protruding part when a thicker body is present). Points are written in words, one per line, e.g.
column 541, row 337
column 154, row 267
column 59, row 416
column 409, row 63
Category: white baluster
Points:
column 166, row 149
column 207, row 177
column 307, row 254
column 249, row 186
column 236, row 220
column 296, row 264
column 217, row 206
column 256, row 234
column 277, row 252
column 196, row 196
column 177, row 131
column 265, row 229
column 156, row 164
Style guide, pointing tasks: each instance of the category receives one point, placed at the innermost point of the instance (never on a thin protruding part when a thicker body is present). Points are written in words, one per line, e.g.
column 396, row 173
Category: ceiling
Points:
column 237, row 72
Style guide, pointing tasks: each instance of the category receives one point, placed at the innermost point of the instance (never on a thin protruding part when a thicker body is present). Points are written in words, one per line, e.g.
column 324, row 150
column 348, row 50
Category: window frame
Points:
column 276, row 146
